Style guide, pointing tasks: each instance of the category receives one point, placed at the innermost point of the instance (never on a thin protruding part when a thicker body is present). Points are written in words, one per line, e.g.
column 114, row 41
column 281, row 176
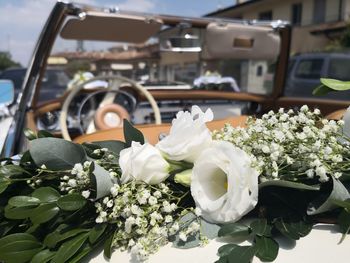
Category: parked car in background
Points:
column 53, row 85
column 305, row 71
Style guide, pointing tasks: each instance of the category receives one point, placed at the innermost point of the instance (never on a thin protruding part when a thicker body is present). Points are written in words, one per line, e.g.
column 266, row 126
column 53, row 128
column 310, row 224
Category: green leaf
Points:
column 241, row 254
column 12, row 171
column 132, row 134
column 344, row 204
column 225, row 250
column 44, row 134
column 344, row 224
column 321, row 90
column 56, row 154
column 103, row 180
column 96, row 232
column 21, row 201
column 83, row 253
column 30, row 135
column 234, row 230
column 288, row 184
column 293, row 230
column 69, row 248
column 326, row 203
column 43, row 256
column 209, row 230
column 113, row 146
column 336, row 84
column 44, row 213
column 18, row 212
column 3, row 185
column 267, row 248
column 46, row 194
column 52, row 239
column 71, row 202
column 107, row 247
column 18, row 248
column 191, row 242
column 261, row 227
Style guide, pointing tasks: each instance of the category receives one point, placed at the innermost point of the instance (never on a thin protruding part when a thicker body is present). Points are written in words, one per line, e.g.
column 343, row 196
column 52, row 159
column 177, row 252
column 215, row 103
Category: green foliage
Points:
column 267, row 248
column 6, row 61
column 65, row 155
column 71, row 202
column 329, row 85
column 132, row 134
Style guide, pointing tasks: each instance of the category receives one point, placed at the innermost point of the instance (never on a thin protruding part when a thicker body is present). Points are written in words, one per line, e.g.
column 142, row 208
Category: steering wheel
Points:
column 114, row 81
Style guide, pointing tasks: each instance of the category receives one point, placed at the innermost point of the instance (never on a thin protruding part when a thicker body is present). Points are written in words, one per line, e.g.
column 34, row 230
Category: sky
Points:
column 21, row 20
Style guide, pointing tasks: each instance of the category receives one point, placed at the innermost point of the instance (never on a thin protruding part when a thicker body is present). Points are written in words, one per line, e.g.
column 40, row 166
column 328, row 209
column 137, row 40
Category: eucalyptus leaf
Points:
column 69, row 248
column 132, row 134
column 46, row 194
column 289, row 184
column 210, row 230
column 44, row 213
column 43, row 256
column 234, row 230
column 113, row 146
column 293, row 230
column 12, row 171
column 191, row 242
column 261, row 227
column 18, row 248
column 344, row 224
column 56, row 154
column 71, row 202
column 225, row 250
column 20, row 201
column 104, row 182
column 339, row 192
column 241, row 254
column 81, row 255
column 267, row 248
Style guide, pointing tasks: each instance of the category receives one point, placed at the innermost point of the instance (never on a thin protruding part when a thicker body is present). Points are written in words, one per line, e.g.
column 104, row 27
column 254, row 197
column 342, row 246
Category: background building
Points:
column 316, row 23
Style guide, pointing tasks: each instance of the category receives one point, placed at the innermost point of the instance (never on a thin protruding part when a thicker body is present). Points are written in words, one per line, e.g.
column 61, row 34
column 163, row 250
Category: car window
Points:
column 339, row 68
column 309, row 68
column 15, row 75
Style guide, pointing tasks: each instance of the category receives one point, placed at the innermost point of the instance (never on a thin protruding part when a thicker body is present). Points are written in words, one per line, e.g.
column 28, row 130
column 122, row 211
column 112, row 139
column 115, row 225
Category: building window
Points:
column 297, row 10
column 265, row 15
column 319, row 11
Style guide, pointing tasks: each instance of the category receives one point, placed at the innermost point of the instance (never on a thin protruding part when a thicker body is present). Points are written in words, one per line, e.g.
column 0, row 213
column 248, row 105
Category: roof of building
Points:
column 217, row 12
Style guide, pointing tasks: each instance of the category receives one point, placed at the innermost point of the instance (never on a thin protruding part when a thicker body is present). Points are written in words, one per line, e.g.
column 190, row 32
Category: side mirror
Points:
column 7, row 92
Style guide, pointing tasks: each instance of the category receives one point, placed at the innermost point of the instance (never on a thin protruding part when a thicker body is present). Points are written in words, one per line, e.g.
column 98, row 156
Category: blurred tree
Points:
column 343, row 42
column 76, row 66
column 6, row 61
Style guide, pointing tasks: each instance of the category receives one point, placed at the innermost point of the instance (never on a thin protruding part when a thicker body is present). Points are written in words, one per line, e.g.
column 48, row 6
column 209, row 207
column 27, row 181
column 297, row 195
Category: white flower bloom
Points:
column 188, row 135
column 85, row 194
column 143, row 163
column 183, row 236
column 224, row 185
column 115, row 190
column 152, row 200
column 72, row 182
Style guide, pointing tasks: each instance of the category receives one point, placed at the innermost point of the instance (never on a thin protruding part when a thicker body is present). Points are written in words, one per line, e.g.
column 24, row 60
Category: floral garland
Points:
column 286, row 172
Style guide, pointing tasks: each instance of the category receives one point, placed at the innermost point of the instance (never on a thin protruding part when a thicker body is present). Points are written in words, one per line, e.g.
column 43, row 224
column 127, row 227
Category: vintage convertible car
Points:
column 172, row 48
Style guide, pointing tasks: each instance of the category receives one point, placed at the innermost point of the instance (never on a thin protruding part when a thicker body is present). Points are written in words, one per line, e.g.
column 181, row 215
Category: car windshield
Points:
column 155, row 68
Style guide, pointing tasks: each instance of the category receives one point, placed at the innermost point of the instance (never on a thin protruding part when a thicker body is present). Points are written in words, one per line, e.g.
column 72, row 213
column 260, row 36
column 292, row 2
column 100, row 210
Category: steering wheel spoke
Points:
column 107, row 111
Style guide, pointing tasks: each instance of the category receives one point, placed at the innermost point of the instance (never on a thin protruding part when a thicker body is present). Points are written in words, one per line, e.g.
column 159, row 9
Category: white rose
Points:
column 224, row 185
column 143, row 163
column 188, row 135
